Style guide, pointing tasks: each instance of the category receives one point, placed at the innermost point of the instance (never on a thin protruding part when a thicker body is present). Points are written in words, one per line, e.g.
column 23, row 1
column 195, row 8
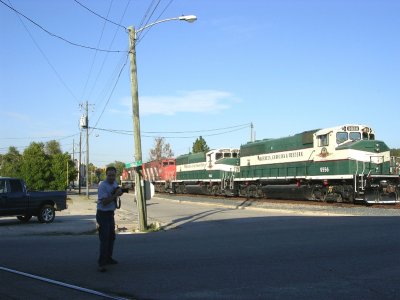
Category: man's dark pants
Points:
column 106, row 222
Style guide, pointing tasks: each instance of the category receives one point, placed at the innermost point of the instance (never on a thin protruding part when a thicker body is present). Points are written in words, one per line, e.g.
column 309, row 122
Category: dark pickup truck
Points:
column 16, row 200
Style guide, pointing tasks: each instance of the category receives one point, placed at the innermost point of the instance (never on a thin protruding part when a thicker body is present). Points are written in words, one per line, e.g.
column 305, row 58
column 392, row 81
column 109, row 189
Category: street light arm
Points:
column 189, row 18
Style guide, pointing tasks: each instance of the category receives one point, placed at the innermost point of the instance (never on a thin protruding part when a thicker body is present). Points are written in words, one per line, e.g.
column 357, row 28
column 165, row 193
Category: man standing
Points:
column 108, row 194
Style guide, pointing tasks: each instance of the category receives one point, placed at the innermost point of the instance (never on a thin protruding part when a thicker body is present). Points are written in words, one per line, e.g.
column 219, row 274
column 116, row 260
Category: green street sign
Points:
column 133, row 164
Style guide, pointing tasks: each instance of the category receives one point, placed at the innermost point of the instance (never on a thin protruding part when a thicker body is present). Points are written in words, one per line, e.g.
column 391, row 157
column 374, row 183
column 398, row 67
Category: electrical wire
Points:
column 55, row 35
column 142, row 36
column 108, row 85
column 45, row 57
column 105, row 19
column 128, row 132
column 204, row 130
column 148, row 19
column 39, row 137
column 112, row 91
column 95, row 54
column 181, row 132
column 106, row 55
column 146, row 13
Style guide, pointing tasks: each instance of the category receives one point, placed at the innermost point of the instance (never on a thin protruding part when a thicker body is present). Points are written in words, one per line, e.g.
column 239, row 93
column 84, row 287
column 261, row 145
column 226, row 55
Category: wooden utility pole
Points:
column 73, row 159
column 139, row 184
column 80, row 161
column 87, row 149
column 67, row 173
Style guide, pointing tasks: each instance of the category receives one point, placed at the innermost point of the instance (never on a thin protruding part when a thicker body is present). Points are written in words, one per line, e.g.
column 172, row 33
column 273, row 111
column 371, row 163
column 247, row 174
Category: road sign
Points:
column 133, row 164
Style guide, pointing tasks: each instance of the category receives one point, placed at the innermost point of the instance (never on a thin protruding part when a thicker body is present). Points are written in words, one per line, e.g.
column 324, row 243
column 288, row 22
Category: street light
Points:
column 136, row 121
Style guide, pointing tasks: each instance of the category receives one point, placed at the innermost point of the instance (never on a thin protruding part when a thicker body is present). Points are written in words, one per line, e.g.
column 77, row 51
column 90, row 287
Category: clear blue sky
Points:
column 287, row 66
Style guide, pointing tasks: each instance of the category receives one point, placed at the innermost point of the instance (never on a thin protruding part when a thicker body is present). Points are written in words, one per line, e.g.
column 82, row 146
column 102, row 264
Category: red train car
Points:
column 160, row 173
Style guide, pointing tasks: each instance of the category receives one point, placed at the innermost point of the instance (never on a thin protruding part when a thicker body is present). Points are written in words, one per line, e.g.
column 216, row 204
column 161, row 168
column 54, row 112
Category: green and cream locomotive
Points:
column 210, row 173
column 341, row 164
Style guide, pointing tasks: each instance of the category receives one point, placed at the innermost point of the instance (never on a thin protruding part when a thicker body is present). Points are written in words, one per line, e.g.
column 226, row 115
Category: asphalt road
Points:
column 214, row 252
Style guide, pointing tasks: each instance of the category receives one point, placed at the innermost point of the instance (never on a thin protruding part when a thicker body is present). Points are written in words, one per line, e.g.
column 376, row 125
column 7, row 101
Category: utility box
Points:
column 148, row 190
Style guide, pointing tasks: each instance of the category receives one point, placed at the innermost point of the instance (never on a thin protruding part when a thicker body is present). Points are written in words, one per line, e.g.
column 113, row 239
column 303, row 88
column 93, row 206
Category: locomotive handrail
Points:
column 305, row 163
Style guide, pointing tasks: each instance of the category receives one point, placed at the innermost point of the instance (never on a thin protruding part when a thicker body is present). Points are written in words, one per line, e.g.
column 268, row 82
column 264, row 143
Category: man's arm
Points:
column 107, row 200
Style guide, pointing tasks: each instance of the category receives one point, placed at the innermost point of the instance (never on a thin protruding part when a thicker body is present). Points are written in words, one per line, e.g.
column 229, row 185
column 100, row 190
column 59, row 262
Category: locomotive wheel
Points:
column 209, row 189
column 339, row 198
column 318, row 194
column 252, row 191
column 215, row 190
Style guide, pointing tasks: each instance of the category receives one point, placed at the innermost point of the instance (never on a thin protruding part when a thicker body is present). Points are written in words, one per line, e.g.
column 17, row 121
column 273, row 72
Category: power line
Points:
column 55, row 35
column 112, row 91
column 40, row 137
column 128, row 132
column 48, row 137
column 148, row 19
column 95, row 54
column 146, row 13
column 181, row 132
column 100, row 15
column 141, row 36
column 110, row 82
column 106, row 55
column 45, row 57
column 204, row 130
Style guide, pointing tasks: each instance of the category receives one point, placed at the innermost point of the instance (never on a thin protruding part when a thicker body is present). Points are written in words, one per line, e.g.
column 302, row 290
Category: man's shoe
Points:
column 101, row 269
column 112, row 261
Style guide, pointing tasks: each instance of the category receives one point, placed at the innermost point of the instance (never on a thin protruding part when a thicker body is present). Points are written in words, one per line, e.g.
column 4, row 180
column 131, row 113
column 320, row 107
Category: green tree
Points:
column 52, row 148
column 200, row 145
column 92, row 174
column 100, row 174
column 58, row 168
column 161, row 150
column 36, row 169
column 395, row 152
column 61, row 167
column 11, row 162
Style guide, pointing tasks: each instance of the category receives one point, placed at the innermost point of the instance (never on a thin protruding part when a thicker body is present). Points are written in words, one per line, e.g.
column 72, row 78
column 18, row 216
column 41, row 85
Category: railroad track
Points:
column 281, row 201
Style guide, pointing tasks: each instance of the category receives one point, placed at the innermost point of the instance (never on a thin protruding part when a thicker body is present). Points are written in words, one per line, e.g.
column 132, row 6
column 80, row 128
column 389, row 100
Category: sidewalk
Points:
column 79, row 218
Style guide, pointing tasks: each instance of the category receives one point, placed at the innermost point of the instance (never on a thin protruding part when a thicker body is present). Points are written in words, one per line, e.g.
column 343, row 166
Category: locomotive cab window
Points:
column 234, row 154
column 218, row 156
column 227, row 155
column 323, row 140
column 355, row 136
column 341, row 137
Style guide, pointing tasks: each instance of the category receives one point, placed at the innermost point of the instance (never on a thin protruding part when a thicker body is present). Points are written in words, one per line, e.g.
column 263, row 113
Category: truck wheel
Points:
column 24, row 218
column 46, row 214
